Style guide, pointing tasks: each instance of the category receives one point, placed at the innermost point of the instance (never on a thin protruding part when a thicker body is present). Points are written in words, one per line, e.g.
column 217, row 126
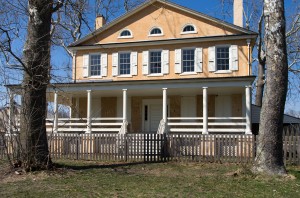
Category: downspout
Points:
column 74, row 63
column 249, row 63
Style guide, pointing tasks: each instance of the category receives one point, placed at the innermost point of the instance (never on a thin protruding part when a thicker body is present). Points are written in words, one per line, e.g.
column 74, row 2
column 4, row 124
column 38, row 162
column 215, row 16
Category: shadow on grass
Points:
column 294, row 172
column 100, row 166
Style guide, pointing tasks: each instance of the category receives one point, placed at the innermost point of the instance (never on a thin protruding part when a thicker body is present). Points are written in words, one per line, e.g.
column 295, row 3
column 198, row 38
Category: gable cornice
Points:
column 171, row 4
column 165, row 42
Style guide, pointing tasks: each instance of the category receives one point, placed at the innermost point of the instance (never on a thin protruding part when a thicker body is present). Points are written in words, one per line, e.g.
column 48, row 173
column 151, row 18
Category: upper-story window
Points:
column 223, row 58
column 95, row 64
column 126, row 34
column 188, row 61
column 124, row 63
column 188, row 29
column 155, row 62
column 156, row 32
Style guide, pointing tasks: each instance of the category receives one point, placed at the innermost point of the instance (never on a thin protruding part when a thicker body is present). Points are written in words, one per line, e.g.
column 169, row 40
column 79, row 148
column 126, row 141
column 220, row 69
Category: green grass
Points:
column 92, row 179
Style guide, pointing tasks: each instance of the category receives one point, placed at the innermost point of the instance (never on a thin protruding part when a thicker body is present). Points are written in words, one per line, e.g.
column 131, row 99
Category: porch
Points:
column 203, row 106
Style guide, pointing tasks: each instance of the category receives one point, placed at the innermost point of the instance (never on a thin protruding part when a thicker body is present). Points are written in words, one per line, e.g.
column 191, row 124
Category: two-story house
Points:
column 160, row 68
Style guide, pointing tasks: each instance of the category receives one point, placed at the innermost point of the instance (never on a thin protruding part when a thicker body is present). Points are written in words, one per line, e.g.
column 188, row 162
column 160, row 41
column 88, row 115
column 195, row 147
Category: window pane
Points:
column 95, row 65
column 126, row 33
column 155, row 62
column 188, row 60
column 124, row 59
column 222, row 58
column 189, row 28
column 155, row 31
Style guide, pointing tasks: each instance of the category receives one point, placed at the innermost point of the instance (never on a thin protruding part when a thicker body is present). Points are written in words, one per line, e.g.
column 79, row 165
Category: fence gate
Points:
column 155, row 147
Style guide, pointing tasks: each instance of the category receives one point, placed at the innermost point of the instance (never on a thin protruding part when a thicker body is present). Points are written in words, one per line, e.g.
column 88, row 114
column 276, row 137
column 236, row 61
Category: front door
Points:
column 152, row 114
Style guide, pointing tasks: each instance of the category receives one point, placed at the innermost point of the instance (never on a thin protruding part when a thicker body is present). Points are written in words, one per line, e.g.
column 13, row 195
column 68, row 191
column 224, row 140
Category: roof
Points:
column 287, row 119
column 171, row 4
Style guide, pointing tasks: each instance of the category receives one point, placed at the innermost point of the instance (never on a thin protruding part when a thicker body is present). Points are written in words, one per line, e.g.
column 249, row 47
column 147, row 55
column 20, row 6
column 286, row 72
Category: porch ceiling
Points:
column 64, row 97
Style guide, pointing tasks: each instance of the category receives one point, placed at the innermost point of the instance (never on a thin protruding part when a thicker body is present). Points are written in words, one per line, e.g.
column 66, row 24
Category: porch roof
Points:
column 240, row 81
column 110, row 85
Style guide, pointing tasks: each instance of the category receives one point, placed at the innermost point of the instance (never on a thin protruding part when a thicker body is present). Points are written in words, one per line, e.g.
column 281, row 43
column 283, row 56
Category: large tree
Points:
column 34, row 152
column 270, row 150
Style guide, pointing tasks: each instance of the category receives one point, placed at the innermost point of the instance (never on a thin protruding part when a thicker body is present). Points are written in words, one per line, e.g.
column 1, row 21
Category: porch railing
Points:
column 215, row 124
column 79, row 125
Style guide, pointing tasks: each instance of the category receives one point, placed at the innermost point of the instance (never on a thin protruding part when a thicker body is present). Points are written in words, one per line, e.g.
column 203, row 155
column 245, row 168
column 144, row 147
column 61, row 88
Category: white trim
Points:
column 156, row 27
column 124, row 37
column 187, row 73
column 189, row 32
column 223, row 72
column 155, row 74
column 124, row 76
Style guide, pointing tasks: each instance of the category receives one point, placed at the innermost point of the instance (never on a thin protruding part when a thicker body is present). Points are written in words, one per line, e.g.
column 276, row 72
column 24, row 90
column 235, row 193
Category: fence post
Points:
column 126, row 147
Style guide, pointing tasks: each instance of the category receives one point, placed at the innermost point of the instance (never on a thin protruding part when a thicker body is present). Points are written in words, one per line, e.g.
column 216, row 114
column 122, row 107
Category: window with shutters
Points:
column 188, row 60
column 124, row 63
column 155, row 62
column 222, row 58
column 95, row 64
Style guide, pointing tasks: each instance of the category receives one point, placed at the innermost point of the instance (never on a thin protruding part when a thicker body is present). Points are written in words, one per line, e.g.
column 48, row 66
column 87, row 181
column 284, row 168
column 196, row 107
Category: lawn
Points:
column 95, row 179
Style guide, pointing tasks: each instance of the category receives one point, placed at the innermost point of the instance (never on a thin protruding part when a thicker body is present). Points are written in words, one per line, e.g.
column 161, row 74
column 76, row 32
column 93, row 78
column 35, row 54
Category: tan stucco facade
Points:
column 171, row 21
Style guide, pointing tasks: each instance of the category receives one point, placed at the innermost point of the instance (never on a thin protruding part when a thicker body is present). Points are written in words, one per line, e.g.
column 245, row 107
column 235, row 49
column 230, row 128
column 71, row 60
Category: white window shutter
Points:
column 115, row 63
column 134, row 59
column 198, row 60
column 145, row 62
column 165, row 62
column 86, row 65
column 104, row 64
column 178, row 69
column 234, row 62
column 212, row 59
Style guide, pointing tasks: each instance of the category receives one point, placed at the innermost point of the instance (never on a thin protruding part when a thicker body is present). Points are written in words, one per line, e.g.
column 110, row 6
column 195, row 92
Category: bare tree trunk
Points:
column 36, row 78
column 269, row 158
column 260, row 84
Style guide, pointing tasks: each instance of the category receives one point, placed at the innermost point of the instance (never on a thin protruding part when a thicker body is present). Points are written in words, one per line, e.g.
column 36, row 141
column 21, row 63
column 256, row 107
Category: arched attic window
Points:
column 125, row 34
column 156, row 31
column 189, row 28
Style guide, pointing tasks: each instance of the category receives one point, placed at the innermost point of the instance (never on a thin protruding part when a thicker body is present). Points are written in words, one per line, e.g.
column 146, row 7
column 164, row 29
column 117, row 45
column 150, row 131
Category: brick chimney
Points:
column 99, row 22
column 238, row 13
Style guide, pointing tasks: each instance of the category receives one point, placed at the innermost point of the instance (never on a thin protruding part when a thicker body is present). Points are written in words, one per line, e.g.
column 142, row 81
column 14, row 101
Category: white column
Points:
column 124, row 105
column 165, row 104
column 248, row 110
column 77, row 107
column 205, row 111
column 88, row 114
column 55, row 121
column 11, row 113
